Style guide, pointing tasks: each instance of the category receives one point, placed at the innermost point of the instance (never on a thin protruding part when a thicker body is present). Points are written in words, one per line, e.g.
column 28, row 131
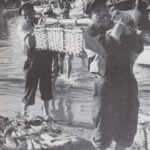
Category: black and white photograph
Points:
column 74, row 74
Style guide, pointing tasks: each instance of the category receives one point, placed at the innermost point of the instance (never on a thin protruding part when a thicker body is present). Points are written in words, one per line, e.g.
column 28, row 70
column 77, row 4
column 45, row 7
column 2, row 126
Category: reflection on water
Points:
column 73, row 99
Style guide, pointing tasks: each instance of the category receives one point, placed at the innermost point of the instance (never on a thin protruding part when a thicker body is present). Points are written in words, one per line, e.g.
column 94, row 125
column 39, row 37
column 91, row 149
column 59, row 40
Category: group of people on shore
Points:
column 114, row 44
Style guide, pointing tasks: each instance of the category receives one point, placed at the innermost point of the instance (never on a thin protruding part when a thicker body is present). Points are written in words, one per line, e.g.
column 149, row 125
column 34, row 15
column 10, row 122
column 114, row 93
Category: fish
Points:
column 8, row 131
column 61, row 142
column 22, row 145
column 14, row 134
column 44, row 144
column 29, row 144
column 47, row 139
column 10, row 142
column 36, row 145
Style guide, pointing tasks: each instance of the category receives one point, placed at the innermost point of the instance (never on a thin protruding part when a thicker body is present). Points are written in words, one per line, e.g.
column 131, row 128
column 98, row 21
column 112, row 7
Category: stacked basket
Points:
column 59, row 39
column 73, row 41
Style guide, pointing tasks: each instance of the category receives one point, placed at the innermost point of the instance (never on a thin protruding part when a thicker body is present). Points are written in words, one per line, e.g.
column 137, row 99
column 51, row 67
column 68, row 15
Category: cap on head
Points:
column 89, row 5
column 26, row 6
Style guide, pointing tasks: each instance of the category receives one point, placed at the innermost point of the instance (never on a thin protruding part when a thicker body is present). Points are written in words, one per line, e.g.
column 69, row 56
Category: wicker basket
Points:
column 55, row 39
column 59, row 39
column 41, row 38
column 73, row 41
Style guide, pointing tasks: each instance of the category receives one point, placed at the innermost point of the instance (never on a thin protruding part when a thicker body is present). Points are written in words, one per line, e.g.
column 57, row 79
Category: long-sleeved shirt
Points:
column 110, row 57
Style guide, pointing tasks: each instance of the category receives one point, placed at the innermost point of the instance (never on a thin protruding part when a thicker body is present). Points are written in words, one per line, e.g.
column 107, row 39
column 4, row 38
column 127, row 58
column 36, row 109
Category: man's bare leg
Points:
column 61, row 65
column 52, row 108
column 54, row 81
column 24, row 108
column 46, row 108
column 69, row 65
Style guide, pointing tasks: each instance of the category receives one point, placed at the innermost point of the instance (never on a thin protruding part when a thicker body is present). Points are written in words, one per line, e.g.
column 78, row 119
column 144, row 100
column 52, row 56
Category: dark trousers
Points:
column 115, row 110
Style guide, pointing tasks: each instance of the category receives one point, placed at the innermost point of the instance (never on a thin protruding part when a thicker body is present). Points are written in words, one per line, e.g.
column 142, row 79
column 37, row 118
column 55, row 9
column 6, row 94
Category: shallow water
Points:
column 73, row 97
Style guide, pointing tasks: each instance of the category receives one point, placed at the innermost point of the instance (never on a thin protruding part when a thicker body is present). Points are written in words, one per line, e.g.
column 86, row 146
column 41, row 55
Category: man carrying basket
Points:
column 37, row 67
column 115, row 46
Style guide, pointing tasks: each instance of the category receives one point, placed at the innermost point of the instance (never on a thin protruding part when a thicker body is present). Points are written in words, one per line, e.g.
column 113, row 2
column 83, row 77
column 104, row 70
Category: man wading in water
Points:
column 37, row 67
column 116, row 103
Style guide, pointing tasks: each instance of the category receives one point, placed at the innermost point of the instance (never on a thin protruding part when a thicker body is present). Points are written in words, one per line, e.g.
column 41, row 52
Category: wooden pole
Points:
column 83, row 21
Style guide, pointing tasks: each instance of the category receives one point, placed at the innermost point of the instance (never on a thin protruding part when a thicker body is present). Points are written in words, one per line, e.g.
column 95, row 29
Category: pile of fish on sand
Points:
column 24, row 133
column 38, row 133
